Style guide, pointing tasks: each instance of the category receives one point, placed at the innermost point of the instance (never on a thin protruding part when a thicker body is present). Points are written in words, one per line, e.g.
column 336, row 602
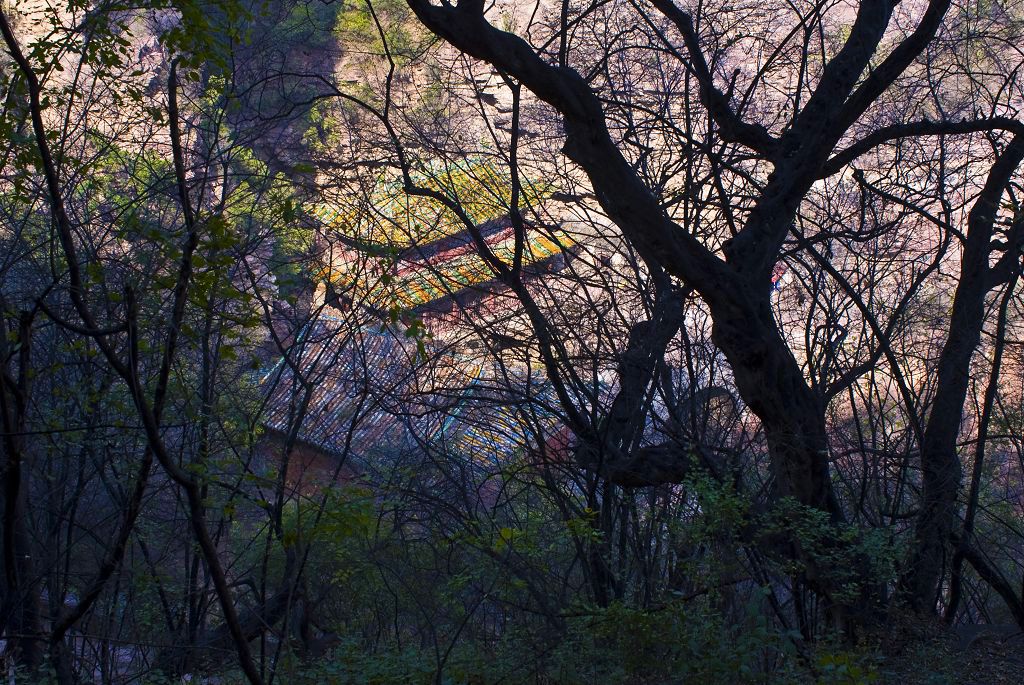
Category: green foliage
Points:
column 306, row 24
column 846, row 557
column 334, row 531
column 204, row 36
column 680, row 642
column 723, row 511
column 351, row 663
column 845, row 668
column 357, row 29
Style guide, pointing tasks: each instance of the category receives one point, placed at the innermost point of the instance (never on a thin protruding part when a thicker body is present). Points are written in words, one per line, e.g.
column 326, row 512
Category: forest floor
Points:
column 927, row 654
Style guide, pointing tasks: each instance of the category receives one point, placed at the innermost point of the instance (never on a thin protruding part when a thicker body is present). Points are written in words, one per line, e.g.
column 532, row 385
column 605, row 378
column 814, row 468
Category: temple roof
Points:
column 396, row 250
column 425, row 273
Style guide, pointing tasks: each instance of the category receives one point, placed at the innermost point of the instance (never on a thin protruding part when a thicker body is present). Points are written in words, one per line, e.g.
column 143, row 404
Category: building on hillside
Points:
column 357, row 401
column 356, row 391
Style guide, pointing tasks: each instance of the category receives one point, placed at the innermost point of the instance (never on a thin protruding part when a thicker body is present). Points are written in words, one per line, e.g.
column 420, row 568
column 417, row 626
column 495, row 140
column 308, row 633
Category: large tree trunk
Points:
column 20, row 610
column 768, row 377
column 772, row 384
column 940, row 463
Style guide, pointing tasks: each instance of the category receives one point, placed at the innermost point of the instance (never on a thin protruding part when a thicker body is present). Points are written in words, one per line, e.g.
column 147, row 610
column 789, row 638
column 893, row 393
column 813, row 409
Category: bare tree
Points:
column 823, row 125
